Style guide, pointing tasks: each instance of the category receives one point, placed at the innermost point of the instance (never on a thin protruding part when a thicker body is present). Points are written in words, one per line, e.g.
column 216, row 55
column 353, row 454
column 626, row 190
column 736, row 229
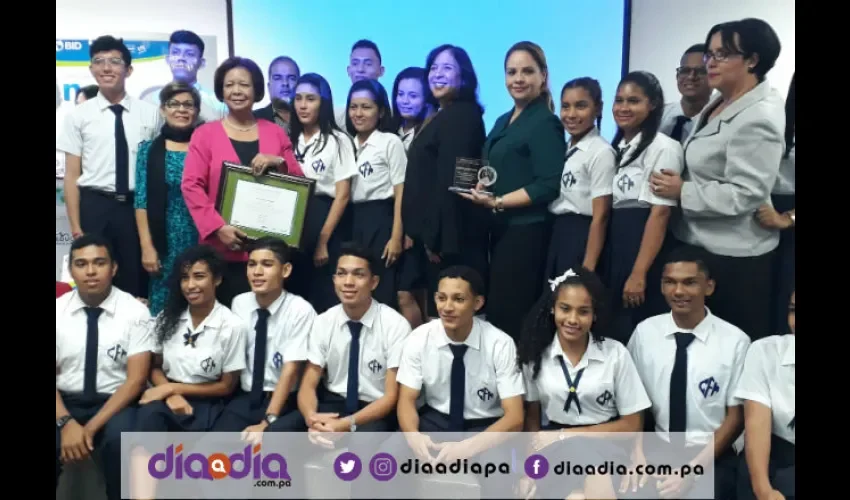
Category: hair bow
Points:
column 555, row 283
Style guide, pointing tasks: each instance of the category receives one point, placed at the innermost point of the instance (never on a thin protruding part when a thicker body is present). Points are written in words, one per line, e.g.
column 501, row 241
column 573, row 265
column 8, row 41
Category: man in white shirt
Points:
column 103, row 357
column 690, row 362
column 276, row 347
column 100, row 138
column 677, row 119
column 185, row 58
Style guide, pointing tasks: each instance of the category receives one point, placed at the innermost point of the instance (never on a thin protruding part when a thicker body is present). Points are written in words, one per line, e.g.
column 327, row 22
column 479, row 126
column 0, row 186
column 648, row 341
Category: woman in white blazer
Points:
column 731, row 163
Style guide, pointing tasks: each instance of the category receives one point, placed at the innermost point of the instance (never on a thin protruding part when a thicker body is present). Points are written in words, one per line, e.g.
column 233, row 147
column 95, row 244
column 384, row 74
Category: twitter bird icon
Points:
column 347, row 466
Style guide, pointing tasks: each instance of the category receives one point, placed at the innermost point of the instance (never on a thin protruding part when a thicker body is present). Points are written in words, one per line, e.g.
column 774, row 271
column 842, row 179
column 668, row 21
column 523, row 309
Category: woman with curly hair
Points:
column 585, row 384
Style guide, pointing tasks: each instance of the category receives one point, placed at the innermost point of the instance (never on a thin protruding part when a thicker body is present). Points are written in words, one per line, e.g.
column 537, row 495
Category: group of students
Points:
column 271, row 364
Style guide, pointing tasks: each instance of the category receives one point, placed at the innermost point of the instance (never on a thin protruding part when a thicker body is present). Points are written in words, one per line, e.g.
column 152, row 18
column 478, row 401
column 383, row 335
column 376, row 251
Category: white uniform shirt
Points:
column 123, row 330
column 289, row 324
column 609, row 386
column 381, row 165
column 631, row 183
column 89, row 132
column 381, row 338
column 588, row 173
column 490, row 361
column 673, row 110
column 211, row 108
column 328, row 162
column 715, row 361
column 219, row 348
column 786, row 181
column 769, row 378
column 406, row 137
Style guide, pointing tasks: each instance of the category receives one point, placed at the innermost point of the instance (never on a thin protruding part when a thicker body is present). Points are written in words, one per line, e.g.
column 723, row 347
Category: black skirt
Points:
column 372, row 227
column 156, row 416
column 783, row 268
column 569, row 241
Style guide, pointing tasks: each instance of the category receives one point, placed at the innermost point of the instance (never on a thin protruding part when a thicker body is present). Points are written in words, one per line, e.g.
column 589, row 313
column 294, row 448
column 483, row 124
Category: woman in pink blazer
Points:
column 238, row 138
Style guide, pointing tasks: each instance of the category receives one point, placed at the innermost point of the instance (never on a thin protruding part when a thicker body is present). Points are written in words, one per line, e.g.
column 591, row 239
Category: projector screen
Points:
column 580, row 38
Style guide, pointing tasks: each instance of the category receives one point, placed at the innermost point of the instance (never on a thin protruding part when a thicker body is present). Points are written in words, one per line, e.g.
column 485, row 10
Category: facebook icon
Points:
column 536, row 466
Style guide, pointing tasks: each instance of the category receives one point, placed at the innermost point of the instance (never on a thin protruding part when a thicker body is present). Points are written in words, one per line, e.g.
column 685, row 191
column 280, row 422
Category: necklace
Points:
column 236, row 127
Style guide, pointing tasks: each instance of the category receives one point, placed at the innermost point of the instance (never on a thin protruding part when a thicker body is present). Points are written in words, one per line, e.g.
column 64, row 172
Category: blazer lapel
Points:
column 727, row 115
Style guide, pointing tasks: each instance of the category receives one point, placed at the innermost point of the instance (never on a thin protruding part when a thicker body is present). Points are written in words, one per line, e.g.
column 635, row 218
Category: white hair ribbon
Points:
column 560, row 279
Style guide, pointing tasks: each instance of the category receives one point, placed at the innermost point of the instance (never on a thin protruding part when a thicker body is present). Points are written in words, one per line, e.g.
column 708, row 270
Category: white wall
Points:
column 662, row 30
column 92, row 18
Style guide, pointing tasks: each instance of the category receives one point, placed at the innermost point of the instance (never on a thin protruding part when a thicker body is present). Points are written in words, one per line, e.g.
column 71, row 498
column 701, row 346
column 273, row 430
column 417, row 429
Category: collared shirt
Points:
column 124, row 330
column 211, row 108
column 715, row 361
column 588, row 174
column 289, row 324
column 609, row 385
column 381, row 338
column 492, row 374
column 219, row 347
column 769, row 378
column 89, row 132
column 327, row 160
column 406, row 137
column 631, row 183
column 381, row 165
column 672, row 111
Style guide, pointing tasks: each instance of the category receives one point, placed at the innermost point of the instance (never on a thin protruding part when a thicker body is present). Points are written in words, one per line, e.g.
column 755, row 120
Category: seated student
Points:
column 767, row 389
column 581, row 380
column 103, row 346
column 690, row 362
column 467, row 368
column 200, row 350
column 276, row 347
column 358, row 344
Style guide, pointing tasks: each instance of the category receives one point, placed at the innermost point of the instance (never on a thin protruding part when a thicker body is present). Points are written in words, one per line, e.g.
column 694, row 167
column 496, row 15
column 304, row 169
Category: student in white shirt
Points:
column 767, row 387
column 100, row 140
column 582, row 382
column 639, row 218
column 677, row 119
column 275, row 348
column 690, row 362
column 583, row 206
column 379, row 184
column 467, row 370
column 103, row 344
column 326, row 154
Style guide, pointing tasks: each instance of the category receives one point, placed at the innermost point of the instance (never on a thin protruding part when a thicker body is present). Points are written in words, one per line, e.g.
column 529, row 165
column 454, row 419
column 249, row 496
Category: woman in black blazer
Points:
column 453, row 230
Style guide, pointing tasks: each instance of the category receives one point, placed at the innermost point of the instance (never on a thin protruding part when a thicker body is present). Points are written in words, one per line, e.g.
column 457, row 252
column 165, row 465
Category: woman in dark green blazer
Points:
column 526, row 148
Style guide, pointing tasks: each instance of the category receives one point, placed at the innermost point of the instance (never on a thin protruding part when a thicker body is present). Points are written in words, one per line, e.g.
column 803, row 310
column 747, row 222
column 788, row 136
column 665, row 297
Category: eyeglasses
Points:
column 690, row 70
column 111, row 61
column 174, row 104
column 719, row 56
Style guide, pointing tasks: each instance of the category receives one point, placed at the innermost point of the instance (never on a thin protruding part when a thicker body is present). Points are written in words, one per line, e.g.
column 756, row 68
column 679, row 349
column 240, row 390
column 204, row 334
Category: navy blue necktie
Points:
column 458, row 388
column 90, row 371
column 572, row 386
column 571, row 152
column 679, row 385
column 260, row 343
column 190, row 338
column 351, row 394
column 679, row 127
column 122, row 153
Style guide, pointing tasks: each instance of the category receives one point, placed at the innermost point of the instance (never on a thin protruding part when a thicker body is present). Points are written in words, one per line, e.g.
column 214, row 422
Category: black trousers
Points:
column 743, row 293
column 234, row 282
column 784, row 269
column 781, row 469
column 107, row 442
column 517, row 265
column 116, row 221
column 240, row 412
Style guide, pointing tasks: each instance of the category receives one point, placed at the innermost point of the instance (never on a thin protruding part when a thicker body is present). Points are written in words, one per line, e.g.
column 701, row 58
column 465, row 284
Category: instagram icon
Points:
column 383, row 466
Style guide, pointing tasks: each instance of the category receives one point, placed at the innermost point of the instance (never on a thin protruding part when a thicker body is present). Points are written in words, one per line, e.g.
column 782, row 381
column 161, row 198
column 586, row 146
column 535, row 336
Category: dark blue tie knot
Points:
column 683, row 340
column 189, row 338
column 263, row 314
column 458, row 350
column 355, row 327
column 93, row 312
column 117, row 109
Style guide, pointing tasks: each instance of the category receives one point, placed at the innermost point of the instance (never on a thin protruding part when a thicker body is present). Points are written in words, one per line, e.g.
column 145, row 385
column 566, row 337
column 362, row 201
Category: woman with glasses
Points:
column 677, row 120
column 732, row 159
column 165, row 226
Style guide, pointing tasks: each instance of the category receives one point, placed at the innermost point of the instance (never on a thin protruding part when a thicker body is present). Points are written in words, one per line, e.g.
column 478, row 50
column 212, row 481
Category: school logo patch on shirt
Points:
column 318, row 166
column 375, row 366
column 366, row 169
column 484, row 394
column 277, row 360
column 208, row 365
column 625, row 183
column 709, row 387
column 568, row 180
column 116, row 353
column 605, row 398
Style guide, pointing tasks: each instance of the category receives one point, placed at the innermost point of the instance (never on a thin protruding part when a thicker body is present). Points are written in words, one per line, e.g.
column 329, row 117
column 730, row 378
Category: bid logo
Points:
column 218, row 465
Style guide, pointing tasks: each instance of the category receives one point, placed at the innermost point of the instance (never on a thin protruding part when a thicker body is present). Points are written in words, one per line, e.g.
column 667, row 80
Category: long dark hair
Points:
column 327, row 121
column 790, row 113
column 649, row 128
column 379, row 95
column 175, row 303
column 468, row 91
column 539, row 328
column 593, row 88
column 418, row 74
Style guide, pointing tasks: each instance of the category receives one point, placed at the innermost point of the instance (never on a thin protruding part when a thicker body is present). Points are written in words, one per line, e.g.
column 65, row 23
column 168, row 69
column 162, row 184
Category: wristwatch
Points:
column 270, row 418
column 793, row 219
column 498, row 205
column 61, row 421
column 353, row 427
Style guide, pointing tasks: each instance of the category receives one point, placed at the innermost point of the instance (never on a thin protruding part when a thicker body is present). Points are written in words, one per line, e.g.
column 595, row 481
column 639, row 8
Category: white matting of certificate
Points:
column 264, row 208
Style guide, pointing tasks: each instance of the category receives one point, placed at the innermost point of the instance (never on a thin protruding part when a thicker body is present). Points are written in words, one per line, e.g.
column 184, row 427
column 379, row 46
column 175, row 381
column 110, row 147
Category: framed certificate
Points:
column 273, row 204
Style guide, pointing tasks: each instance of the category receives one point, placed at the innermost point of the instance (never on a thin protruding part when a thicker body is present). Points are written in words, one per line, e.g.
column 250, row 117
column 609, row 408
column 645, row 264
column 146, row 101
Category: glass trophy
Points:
column 471, row 172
